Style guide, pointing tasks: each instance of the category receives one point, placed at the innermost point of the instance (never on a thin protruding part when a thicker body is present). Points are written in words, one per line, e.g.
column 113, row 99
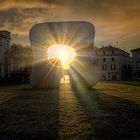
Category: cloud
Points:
column 6, row 4
column 20, row 20
column 113, row 19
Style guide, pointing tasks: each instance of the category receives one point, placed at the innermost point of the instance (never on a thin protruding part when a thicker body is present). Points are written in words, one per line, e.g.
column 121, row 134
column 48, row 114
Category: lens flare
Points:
column 64, row 53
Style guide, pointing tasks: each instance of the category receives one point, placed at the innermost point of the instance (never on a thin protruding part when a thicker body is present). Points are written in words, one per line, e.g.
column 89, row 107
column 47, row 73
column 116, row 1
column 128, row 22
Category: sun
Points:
column 64, row 53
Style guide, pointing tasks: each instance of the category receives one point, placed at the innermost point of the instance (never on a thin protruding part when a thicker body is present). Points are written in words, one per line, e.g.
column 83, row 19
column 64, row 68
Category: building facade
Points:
column 4, row 50
column 113, row 63
column 136, row 63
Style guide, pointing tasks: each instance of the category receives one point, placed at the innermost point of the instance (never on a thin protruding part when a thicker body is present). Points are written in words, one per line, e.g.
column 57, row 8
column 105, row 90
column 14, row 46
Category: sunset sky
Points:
column 114, row 20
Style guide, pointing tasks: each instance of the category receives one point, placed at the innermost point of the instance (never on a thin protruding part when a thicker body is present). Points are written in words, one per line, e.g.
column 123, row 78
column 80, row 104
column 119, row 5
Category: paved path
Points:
column 73, row 122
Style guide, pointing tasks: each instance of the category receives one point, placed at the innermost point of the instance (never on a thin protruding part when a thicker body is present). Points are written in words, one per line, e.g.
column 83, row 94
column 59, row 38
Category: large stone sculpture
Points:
column 77, row 34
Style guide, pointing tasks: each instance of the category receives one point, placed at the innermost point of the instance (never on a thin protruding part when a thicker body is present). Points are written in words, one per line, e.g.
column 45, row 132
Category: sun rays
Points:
column 65, row 53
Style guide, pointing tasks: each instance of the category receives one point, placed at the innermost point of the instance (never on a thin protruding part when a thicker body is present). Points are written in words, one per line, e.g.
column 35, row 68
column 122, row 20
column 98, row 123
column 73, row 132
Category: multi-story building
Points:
column 114, row 63
column 15, row 60
column 136, row 63
column 4, row 48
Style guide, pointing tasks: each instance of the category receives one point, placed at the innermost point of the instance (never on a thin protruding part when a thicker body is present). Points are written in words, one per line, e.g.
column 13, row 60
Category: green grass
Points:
column 111, row 111
column 123, row 89
column 28, row 114
column 112, row 108
column 8, row 92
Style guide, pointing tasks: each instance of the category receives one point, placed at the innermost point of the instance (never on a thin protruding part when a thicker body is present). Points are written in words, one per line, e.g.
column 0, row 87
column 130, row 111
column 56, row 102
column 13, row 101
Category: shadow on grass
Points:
column 104, row 89
column 131, row 83
column 111, row 117
column 30, row 115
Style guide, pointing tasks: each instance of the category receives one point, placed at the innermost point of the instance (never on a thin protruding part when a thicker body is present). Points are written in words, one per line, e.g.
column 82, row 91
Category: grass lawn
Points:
column 124, row 89
column 27, row 113
column 110, row 111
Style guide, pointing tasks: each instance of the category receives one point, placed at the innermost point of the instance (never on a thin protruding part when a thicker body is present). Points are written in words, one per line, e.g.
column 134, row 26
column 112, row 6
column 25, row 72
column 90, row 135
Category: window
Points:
column 113, row 59
column 138, row 64
column 138, row 74
column 104, row 67
column 104, row 59
column 138, row 56
column 103, row 52
column 108, row 75
column 112, row 52
column 113, row 67
column 97, row 59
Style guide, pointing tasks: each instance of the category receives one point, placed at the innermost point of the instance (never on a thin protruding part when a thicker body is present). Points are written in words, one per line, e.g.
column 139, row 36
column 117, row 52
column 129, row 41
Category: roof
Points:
column 104, row 48
column 112, row 48
column 4, row 31
column 5, row 34
column 134, row 50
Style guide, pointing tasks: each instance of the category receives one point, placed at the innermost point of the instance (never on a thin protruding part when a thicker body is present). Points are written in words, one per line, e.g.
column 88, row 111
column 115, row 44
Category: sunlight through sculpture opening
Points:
column 64, row 53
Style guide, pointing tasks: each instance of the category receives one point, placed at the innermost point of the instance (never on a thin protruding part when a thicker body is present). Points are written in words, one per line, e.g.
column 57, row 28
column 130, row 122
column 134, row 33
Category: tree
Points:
column 20, row 56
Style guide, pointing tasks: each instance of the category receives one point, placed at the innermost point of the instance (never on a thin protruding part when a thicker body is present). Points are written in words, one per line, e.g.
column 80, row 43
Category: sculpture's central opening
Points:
column 61, row 54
